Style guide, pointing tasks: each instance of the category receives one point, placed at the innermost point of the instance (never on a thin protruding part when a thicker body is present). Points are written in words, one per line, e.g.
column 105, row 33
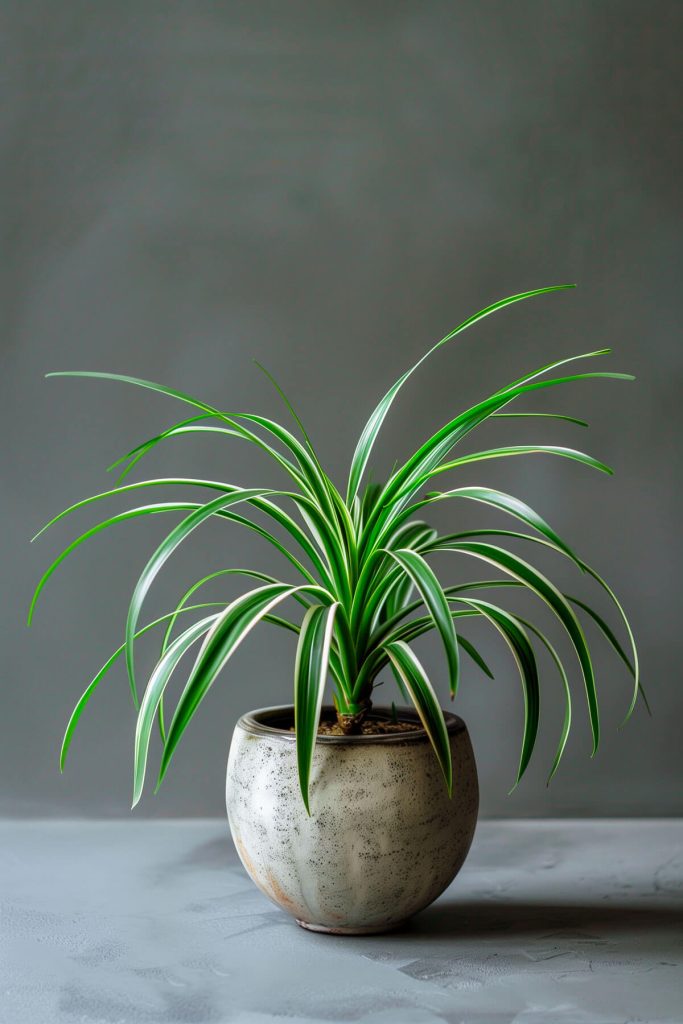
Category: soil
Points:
column 369, row 727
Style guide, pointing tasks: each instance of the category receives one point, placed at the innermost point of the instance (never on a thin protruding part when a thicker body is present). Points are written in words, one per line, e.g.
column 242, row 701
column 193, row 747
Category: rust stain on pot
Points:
column 280, row 896
column 269, row 885
column 248, row 863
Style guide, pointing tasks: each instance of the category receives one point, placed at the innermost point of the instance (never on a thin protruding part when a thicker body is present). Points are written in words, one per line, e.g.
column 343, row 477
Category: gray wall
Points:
column 329, row 188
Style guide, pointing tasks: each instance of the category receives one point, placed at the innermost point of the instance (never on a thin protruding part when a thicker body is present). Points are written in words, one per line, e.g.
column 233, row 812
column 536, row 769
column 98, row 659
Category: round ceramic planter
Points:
column 383, row 839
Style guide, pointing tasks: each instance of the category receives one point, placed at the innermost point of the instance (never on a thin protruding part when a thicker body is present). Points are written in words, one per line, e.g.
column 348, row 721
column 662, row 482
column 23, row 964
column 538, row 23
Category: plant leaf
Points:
column 538, row 415
column 566, row 724
column 474, row 654
column 336, row 503
column 187, row 426
column 247, row 435
column 518, row 642
column 374, row 424
column 433, row 451
column 163, row 553
column 520, row 449
column 138, row 485
column 153, row 693
column 133, row 513
column 93, row 685
column 263, row 577
column 431, row 592
column 310, row 673
column 252, row 573
column 228, row 632
column 515, row 507
column 609, row 635
column 416, row 682
column 445, row 542
column 514, row 566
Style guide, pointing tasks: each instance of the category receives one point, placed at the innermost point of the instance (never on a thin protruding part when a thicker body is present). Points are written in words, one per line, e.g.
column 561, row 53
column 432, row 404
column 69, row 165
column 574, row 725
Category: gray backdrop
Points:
column 329, row 187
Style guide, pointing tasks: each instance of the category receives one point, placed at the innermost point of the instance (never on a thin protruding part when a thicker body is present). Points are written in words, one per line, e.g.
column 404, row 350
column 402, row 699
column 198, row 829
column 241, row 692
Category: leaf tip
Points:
column 40, row 532
column 627, row 716
column 162, row 772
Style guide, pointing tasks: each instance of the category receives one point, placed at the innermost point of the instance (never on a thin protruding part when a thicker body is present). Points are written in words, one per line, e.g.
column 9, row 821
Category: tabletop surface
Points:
column 555, row 922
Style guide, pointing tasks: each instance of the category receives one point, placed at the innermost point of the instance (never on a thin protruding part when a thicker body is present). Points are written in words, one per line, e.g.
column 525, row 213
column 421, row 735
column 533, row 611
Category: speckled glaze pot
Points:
column 383, row 839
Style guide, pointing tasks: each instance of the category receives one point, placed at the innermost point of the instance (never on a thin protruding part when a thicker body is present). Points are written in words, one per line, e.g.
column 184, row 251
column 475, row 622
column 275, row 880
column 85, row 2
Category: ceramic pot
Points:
column 383, row 839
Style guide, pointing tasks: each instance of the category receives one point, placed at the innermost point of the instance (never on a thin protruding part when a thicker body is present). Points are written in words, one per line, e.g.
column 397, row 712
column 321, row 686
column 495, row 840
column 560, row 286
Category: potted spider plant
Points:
column 349, row 815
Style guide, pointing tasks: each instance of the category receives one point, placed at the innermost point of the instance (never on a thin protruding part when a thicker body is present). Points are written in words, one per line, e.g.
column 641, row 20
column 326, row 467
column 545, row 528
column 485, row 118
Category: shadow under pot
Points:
column 383, row 839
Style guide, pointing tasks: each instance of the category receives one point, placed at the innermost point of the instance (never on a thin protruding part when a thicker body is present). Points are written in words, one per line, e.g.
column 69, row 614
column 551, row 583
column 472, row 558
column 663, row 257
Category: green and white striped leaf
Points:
column 164, row 552
column 519, row 449
column 567, row 721
column 133, row 513
column 445, row 543
column 514, row 507
column 109, row 663
column 153, row 694
column 431, row 592
column 227, row 633
column 374, row 424
column 416, row 682
column 514, row 566
column 513, row 633
column 310, row 674
column 362, row 561
column 433, row 451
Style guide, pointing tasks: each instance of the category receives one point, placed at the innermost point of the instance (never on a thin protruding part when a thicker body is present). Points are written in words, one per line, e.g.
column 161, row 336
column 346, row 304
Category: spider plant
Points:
column 361, row 572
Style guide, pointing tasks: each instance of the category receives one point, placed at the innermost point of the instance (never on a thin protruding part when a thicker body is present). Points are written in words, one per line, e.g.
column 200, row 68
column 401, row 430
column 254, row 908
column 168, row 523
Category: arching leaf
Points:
column 310, row 673
column 431, row 592
column 415, row 680
column 374, row 424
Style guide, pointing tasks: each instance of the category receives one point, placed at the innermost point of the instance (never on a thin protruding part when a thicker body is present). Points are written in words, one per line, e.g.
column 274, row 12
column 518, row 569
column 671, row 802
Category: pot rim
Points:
column 261, row 722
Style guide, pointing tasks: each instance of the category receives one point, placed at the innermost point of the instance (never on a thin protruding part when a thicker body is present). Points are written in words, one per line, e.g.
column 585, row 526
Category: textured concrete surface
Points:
column 562, row 923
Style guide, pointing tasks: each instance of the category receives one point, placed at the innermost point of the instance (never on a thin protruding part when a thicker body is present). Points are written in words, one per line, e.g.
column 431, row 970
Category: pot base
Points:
column 378, row 929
